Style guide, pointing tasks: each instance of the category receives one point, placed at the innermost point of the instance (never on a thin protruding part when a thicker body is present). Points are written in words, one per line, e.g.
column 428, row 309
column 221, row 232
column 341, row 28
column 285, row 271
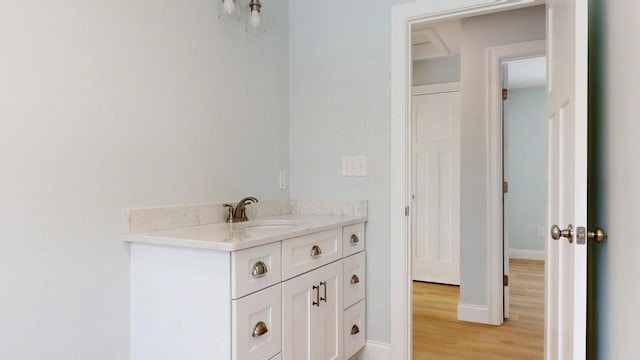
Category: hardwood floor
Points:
column 438, row 335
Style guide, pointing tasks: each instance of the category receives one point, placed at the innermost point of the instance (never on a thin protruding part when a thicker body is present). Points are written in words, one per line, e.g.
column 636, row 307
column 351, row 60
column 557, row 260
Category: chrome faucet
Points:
column 238, row 213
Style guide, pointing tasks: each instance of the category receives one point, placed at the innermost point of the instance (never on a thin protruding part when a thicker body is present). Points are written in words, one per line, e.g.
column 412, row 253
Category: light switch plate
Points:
column 354, row 166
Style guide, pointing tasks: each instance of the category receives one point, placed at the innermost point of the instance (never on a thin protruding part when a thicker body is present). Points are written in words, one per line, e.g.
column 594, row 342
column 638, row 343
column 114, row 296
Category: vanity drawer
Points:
column 354, row 329
column 257, row 325
column 254, row 269
column 353, row 239
column 308, row 252
column 354, row 279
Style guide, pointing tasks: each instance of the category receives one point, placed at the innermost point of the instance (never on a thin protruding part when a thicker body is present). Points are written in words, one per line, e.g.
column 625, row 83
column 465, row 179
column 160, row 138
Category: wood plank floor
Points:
column 438, row 335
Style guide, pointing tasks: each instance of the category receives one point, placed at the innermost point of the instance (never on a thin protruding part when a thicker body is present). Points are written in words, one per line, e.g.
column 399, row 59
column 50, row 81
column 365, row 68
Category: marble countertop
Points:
column 239, row 236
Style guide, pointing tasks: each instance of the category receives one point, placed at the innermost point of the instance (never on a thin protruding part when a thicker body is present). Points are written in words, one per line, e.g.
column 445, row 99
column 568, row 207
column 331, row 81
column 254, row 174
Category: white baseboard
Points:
column 473, row 313
column 374, row 350
column 526, row 254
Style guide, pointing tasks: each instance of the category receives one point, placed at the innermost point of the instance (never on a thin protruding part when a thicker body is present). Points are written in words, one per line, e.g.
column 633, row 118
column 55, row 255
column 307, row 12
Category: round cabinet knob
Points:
column 315, row 251
column 354, row 239
column 355, row 279
column 259, row 269
column 260, row 329
column 355, row 330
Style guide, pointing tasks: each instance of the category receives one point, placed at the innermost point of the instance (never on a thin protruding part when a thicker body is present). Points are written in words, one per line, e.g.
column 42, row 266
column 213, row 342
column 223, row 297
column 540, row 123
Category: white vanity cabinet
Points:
column 292, row 299
column 319, row 305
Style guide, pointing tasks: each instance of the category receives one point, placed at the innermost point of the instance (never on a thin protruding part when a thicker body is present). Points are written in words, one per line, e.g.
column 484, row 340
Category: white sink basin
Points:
column 271, row 224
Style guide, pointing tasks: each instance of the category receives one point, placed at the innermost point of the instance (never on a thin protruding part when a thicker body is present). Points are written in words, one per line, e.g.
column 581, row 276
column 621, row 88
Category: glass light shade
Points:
column 229, row 10
column 255, row 18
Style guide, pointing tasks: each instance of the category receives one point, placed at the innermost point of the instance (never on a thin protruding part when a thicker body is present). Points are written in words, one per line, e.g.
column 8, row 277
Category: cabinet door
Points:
column 298, row 311
column 328, row 326
column 312, row 315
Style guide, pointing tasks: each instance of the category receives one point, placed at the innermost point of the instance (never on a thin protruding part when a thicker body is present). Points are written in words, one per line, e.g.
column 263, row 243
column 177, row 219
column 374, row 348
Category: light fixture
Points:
column 229, row 10
column 255, row 20
column 234, row 10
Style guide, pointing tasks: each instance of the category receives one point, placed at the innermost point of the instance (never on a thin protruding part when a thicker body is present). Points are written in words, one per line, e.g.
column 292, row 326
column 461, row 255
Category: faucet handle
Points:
column 230, row 215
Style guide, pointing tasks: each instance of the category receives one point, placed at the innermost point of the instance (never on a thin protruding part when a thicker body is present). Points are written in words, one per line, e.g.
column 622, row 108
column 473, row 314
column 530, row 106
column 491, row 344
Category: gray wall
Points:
column 614, row 178
column 106, row 105
column 479, row 33
column 340, row 85
column 437, row 70
column 526, row 167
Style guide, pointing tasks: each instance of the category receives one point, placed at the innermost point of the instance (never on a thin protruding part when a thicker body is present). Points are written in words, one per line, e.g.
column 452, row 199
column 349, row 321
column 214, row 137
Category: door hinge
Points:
column 505, row 187
column 505, row 280
column 406, row 211
column 505, row 94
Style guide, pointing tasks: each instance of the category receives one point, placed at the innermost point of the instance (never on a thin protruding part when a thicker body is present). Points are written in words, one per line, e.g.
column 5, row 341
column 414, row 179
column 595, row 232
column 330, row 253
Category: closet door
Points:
column 436, row 187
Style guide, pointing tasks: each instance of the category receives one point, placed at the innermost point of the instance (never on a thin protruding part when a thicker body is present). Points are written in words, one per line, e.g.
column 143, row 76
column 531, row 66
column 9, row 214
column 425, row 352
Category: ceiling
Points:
column 443, row 39
column 435, row 40
column 526, row 73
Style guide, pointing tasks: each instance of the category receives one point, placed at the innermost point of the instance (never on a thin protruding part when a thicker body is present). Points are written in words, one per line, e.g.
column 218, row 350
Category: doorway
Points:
column 524, row 179
column 440, row 317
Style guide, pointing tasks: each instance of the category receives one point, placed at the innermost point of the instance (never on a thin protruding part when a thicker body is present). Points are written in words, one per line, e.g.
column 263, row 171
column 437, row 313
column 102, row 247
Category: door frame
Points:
column 403, row 16
column 496, row 253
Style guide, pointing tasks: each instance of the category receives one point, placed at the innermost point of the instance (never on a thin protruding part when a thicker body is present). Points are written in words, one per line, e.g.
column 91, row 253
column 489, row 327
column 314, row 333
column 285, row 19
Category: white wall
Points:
column 436, row 70
column 106, row 105
column 527, row 133
column 479, row 33
column 614, row 177
column 340, row 105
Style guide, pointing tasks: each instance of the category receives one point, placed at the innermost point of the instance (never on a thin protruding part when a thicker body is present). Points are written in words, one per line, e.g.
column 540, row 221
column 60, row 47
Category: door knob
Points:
column 598, row 235
column 557, row 233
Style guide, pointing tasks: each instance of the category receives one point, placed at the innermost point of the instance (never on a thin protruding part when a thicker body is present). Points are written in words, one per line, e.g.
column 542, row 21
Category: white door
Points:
column 436, row 171
column 312, row 315
column 566, row 259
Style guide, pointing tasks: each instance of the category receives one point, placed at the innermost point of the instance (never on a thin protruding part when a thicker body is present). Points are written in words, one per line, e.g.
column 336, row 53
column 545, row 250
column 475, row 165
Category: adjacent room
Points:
column 444, row 63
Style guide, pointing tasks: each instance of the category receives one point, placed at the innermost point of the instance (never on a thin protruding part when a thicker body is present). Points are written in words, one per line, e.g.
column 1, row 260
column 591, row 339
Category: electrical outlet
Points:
column 354, row 166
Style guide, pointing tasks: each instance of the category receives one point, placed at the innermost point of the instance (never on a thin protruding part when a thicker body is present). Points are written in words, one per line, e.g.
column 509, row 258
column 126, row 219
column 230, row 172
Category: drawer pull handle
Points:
column 315, row 251
column 355, row 330
column 317, row 302
column 260, row 329
column 354, row 239
column 259, row 269
column 324, row 283
column 355, row 279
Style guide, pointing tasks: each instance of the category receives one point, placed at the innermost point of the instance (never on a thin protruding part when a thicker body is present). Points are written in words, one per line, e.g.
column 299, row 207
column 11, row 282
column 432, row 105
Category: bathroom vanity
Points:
column 282, row 287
